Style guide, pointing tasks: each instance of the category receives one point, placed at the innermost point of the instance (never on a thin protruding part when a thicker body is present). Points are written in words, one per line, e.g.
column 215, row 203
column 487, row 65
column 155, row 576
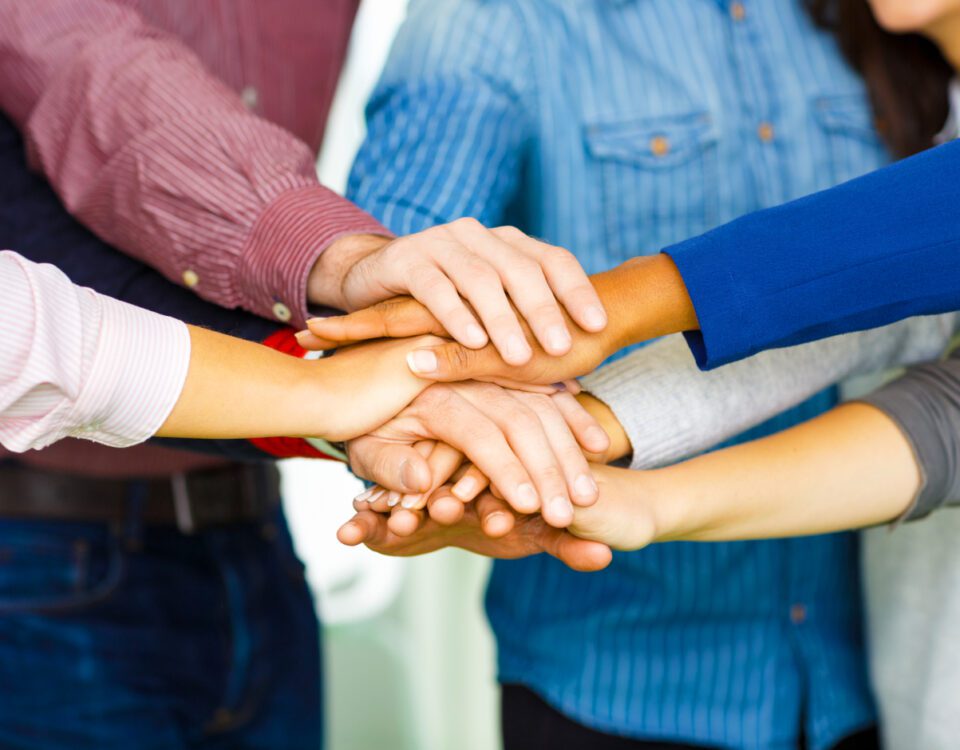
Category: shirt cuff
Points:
column 137, row 375
column 725, row 334
column 634, row 388
column 286, row 242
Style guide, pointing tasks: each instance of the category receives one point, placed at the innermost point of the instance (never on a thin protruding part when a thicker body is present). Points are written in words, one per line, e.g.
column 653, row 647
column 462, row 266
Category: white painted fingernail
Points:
column 528, row 497
column 410, row 502
column 465, row 488
column 595, row 318
column 585, row 485
column 475, row 335
column 365, row 494
column 518, row 348
column 422, row 362
column 393, row 498
column 558, row 338
column 561, row 510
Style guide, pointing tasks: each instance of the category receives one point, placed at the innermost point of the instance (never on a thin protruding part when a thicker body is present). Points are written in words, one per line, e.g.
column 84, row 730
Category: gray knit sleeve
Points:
column 925, row 403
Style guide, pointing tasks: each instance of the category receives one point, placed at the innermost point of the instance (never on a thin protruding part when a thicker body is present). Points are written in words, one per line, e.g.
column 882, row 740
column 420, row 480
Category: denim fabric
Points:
column 122, row 638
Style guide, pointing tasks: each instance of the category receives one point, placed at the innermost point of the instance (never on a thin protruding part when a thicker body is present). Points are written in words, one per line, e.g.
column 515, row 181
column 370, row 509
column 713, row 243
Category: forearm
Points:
column 849, row 468
column 645, row 298
column 237, row 389
column 671, row 410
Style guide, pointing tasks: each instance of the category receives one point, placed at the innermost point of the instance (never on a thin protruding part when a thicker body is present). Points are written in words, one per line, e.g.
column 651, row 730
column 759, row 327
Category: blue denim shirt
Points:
column 615, row 128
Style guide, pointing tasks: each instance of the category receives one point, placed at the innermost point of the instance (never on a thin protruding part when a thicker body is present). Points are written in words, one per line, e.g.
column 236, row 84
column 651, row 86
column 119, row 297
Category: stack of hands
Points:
column 479, row 333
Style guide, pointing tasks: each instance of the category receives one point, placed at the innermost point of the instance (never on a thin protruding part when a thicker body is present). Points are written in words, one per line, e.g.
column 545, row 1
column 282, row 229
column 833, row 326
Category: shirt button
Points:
column 738, row 11
column 250, row 97
column 190, row 278
column 765, row 132
column 798, row 614
column 281, row 312
column 659, row 145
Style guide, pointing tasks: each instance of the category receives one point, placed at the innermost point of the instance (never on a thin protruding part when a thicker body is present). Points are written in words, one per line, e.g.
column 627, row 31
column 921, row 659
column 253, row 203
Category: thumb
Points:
column 579, row 554
column 396, row 466
column 400, row 317
column 452, row 362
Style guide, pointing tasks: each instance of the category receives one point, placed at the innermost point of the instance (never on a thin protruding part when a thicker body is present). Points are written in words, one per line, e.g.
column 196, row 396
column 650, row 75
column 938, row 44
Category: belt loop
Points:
column 137, row 500
column 182, row 507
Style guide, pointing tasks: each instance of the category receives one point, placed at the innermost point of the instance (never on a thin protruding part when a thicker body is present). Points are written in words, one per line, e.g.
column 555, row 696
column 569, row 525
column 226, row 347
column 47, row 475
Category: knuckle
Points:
column 560, row 256
column 467, row 223
column 508, row 232
column 459, row 358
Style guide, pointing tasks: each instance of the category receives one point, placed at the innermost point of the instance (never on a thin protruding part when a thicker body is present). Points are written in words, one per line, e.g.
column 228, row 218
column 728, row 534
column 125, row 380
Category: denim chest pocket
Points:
column 657, row 177
column 50, row 566
column 852, row 143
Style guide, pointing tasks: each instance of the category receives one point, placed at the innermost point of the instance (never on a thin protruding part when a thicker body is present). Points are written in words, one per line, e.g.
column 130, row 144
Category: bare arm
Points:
column 849, row 468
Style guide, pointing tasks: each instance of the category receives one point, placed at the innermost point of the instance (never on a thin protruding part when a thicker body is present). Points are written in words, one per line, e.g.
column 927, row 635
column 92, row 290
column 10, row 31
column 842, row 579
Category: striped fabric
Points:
column 75, row 363
column 184, row 132
column 614, row 128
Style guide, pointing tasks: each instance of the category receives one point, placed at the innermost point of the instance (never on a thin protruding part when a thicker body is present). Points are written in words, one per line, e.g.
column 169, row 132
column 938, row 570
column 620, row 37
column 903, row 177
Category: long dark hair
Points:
column 907, row 77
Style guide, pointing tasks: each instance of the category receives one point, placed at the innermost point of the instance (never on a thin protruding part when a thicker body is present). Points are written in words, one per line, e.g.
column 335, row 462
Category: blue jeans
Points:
column 145, row 638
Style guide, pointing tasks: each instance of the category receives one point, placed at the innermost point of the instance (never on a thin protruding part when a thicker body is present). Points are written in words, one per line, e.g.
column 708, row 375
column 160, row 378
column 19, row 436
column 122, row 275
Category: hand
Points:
column 373, row 379
column 448, row 266
column 645, row 297
column 450, row 361
column 530, row 445
column 518, row 536
column 630, row 513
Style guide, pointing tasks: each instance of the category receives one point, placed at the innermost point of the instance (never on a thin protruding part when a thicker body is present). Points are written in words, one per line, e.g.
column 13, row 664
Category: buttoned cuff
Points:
column 286, row 242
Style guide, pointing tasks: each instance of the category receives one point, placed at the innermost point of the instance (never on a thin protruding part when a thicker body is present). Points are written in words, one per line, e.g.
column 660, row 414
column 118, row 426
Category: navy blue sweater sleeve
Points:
column 871, row 251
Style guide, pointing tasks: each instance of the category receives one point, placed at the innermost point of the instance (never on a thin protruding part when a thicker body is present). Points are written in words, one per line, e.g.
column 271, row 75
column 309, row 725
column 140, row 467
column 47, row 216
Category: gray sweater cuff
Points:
column 925, row 404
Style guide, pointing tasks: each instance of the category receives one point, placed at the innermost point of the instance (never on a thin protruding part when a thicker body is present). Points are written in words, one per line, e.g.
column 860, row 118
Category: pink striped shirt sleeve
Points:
column 74, row 363
column 161, row 159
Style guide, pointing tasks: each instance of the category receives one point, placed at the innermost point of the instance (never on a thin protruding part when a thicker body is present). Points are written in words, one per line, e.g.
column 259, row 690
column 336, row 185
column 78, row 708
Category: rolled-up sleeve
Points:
column 925, row 404
column 162, row 160
column 77, row 364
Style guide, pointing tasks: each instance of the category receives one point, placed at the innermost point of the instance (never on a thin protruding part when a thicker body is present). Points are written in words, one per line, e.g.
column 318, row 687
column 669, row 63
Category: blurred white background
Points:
column 409, row 656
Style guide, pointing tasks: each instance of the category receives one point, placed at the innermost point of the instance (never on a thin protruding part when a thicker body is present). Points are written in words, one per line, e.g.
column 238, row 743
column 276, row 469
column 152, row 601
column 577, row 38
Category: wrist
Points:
column 325, row 283
column 645, row 298
column 619, row 440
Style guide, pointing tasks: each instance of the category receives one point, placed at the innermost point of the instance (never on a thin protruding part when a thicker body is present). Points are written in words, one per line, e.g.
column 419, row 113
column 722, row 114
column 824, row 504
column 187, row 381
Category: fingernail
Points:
column 316, row 320
column 300, row 336
column 422, row 361
column 376, row 496
column 517, row 348
column 364, row 495
column 393, row 498
column 558, row 338
column 359, row 505
column 475, row 335
column 528, row 497
column 410, row 502
column 465, row 488
column 585, row 485
column 595, row 318
column 561, row 510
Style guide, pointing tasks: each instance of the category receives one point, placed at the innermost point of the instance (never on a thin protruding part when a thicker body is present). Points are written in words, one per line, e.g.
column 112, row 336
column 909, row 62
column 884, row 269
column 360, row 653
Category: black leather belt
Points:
column 191, row 501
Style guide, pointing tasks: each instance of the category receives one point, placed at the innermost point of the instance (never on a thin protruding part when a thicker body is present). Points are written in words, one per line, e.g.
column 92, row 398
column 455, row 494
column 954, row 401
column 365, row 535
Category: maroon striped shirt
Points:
column 184, row 133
